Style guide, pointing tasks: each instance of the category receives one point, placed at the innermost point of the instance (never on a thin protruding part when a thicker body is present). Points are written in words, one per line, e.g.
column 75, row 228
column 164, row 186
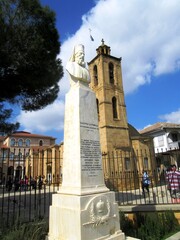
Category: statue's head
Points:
column 79, row 48
column 78, row 55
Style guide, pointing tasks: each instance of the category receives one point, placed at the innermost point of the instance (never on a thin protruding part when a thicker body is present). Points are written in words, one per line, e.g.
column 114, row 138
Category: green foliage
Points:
column 29, row 46
column 147, row 226
column 5, row 126
column 30, row 231
column 150, row 226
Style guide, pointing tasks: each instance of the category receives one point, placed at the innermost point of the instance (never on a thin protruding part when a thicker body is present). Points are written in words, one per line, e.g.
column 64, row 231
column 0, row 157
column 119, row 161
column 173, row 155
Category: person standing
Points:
column 173, row 180
column 40, row 183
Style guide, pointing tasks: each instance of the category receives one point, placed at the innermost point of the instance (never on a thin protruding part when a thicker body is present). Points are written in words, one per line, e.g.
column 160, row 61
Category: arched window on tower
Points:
column 111, row 73
column 114, row 106
column 97, row 103
column 95, row 73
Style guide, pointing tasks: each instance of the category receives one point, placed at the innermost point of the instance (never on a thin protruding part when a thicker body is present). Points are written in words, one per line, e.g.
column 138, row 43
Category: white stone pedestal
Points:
column 83, row 209
column 82, row 163
column 85, row 217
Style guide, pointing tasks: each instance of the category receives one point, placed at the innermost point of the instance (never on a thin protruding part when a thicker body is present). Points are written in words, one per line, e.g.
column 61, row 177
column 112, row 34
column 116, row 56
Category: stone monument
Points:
column 83, row 208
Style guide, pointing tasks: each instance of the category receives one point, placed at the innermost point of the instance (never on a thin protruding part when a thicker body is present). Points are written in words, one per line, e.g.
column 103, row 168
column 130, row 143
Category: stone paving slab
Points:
column 174, row 237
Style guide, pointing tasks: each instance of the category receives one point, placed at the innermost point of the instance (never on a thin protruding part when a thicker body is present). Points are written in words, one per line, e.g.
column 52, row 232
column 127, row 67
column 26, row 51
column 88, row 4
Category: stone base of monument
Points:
column 84, row 208
column 90, row 217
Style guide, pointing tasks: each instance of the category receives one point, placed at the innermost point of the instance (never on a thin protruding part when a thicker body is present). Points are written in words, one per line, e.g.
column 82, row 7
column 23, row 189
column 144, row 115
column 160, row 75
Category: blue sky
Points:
column 146, row 34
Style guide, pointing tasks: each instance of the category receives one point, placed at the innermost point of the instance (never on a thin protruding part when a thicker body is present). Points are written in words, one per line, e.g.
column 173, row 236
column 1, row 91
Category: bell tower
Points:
column 106, row 82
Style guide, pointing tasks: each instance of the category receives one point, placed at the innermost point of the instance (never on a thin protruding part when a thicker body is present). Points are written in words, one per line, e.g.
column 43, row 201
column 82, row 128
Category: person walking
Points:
column 145, row 183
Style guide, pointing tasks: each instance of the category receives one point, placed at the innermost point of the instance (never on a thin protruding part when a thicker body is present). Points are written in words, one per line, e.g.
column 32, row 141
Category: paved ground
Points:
column 174, row 237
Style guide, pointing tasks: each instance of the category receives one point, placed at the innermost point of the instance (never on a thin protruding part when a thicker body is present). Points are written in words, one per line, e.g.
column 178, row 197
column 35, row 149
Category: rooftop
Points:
column 159, row 126
column 28, row 134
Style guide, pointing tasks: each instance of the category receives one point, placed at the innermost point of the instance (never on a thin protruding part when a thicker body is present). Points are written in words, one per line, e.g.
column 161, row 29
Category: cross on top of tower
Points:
column 103, row 49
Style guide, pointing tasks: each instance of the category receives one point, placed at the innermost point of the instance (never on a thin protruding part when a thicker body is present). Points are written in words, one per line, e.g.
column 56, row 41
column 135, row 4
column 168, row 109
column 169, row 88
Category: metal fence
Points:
column 25, row 196
column 158, row 189
column 25, row 204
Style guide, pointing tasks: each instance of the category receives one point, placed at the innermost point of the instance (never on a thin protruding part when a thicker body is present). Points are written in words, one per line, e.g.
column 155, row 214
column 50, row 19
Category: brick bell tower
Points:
column 106, row 82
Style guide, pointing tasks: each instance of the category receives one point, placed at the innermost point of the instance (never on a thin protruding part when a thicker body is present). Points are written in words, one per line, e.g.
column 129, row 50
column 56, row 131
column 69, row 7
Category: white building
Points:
column 166, row 136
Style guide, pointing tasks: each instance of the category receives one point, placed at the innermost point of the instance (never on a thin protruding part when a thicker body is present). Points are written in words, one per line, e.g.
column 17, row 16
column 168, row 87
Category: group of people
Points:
column 172, row 176
column 24, row 183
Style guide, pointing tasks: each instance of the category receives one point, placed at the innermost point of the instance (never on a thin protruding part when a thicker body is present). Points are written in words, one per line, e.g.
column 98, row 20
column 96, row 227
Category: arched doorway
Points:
column 49, row 174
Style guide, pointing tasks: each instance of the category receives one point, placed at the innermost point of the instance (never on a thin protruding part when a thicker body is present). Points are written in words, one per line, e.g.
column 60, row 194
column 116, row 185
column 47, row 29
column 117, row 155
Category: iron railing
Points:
column 24, row 204
column 23, row 198
column 128, row 189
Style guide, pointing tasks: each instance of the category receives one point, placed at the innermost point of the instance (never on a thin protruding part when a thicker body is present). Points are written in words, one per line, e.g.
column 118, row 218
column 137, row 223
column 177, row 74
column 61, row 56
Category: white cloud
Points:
column 49, row 118
column 173, row 117
column 146, row 34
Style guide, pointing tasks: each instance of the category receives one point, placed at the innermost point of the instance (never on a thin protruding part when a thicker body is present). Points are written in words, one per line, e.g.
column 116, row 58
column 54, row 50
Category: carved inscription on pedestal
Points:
column 90, row 152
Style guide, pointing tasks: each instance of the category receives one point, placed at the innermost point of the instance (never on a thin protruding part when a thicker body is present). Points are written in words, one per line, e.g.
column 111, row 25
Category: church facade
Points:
column 121, row 143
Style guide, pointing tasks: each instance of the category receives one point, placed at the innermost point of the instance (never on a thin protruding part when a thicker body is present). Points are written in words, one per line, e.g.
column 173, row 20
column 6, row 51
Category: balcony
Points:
column 174, row 145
